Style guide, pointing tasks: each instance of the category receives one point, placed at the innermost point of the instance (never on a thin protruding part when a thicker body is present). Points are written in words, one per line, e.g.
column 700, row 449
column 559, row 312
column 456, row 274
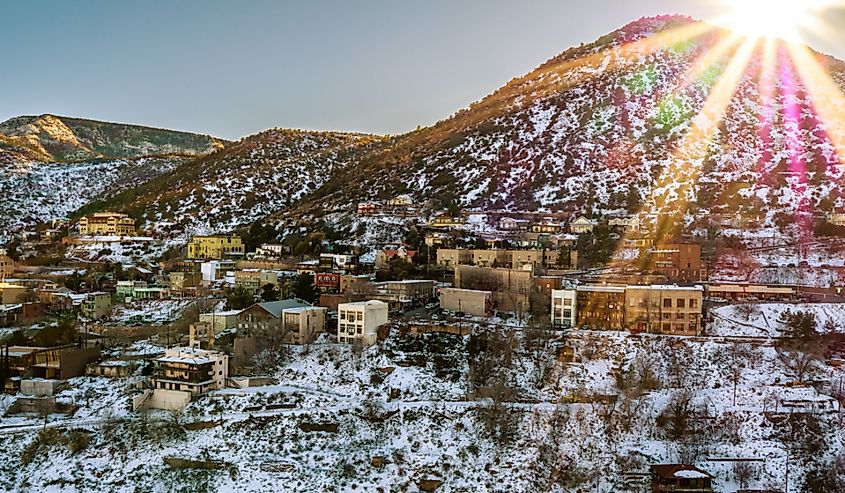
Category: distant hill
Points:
column 246, row 181
column 51, row 138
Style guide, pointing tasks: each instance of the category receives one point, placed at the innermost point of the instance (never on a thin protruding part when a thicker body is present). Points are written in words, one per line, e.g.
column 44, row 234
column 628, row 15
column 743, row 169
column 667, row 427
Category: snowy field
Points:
column 762, row 319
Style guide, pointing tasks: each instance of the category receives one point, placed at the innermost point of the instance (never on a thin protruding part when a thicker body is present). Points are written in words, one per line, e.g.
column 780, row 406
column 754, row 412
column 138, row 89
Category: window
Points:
column 567, row 314
column 567, row 302
column 681, row 303
column 693, row 303
column 667, row 303
column 360, row 316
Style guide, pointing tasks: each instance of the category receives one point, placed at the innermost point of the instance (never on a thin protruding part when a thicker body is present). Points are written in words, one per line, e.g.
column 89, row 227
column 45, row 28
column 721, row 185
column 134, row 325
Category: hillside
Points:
column 246, row 181
column 38, row 192
column 611, row 125
column 50, row 138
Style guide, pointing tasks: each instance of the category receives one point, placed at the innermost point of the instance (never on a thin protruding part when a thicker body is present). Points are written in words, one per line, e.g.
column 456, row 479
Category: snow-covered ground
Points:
column 762, row 319
column 428, row 427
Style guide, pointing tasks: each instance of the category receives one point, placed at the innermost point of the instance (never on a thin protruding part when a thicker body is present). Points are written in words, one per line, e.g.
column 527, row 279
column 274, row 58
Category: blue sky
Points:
column 233, row 68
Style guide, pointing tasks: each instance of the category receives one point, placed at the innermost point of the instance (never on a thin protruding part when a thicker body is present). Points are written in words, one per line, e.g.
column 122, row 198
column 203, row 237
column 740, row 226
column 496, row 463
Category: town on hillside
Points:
column 675, row 350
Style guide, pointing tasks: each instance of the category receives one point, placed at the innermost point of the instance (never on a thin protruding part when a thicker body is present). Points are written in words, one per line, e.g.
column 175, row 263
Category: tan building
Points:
column 215, row 247
column 360, row 321
column 663, row 309
column 511, row 288
column 7, row 267
column 12, row 293
column 515, row 259
column 836, row 218
column 384, row 257
column 408, row 290
column 97, row 305
column 303, row 324
column 471, row 301
column 600, row 307
column 221, row 321
column 254, row 280
column 180, row 282
column 582, row 225
column 107, row 224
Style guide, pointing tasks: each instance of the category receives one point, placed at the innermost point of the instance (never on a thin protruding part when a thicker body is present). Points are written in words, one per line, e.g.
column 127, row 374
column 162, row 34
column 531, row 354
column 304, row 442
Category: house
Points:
column 638, row 241
column 385, row 256
column 271, row 250
column 547, row 225
column 59, row 362
column 107, row 224
column 582, row 225
column 600, row 306
column 403, row 200
column 564, row 312
column 215, row 247
column 360, row 321
column 302, row 324
column 512, row 224
column 338, row 261
column 267, row 318
column 679, row 262
column 516, row 259
column 474, row 302
column 183, row 373
column 369, row 208
column 445, row 221
column 214, row 270
column 97, row 305
column 125, row 290
column 7, row 267
column 111, row 368
column 510, row 287
column 680, row 478
column 626, row 223
column 12, row 293
column 664, row 309
column 201, row 335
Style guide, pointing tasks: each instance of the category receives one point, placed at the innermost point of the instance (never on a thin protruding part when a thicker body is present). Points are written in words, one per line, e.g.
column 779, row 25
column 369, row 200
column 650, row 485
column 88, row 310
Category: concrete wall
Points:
column 473, row 302
column 169, row 399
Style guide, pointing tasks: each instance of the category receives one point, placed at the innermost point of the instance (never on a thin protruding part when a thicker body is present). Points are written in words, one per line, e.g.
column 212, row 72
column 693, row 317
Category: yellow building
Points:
column 107, row 224
column 12, row 293
column 214, row 247
column 664, row 309
column 7, row 267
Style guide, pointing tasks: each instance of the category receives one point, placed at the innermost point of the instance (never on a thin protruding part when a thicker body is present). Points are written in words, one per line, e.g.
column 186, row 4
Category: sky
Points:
column 233, row 68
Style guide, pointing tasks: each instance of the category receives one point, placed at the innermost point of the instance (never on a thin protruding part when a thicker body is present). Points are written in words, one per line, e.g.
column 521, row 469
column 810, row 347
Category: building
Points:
column 266, row 318
column 97, row 305
column 470, row 301
column 125, row 290
column 836, row 218
column 7, row 267
column 254, row 280
column 271, row 250
column 368, row 208
column 582, row 225
column 511, row 288
column 514, row 259
column 215, row 247
column 444, row 221
column 626, row 223
column 107, row 224
column 407, row 291
column 183, row 373
column 564, row 302
column 512, row 224
column 663, row 309
column 679, row 262
column 214, row 270
column 12, row 293
column 221, row 321
column 303, row 324
column 600, row 307
column 750, row 291
column 547, row 225
column 360, row 321
column 385, row 256
column 338, row 261
column 60, row 362
column 182, row 282
column 201, row 335
column 680, row 478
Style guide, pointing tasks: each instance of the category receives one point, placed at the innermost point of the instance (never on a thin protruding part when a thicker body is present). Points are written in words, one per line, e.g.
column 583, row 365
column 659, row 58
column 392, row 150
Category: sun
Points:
column 784, row 19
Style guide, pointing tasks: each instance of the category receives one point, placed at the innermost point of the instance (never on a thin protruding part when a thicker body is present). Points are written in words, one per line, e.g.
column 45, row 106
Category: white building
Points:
column 563, row 307
column 360, row 320
column 582, row 225
column 183, row 373
column 270, row 250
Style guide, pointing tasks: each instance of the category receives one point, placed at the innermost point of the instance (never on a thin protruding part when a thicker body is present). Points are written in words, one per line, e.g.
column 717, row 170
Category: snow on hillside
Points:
column 762, row 319
column 38, row 192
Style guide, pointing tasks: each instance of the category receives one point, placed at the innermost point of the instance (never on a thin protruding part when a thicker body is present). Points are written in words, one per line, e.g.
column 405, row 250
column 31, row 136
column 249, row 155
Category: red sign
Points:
column 327, row 280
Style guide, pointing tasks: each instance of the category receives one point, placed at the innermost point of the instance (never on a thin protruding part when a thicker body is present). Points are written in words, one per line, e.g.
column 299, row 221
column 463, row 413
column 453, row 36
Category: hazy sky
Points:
column 233, row 68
